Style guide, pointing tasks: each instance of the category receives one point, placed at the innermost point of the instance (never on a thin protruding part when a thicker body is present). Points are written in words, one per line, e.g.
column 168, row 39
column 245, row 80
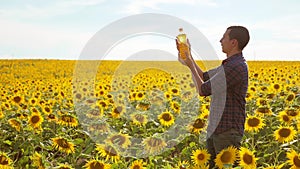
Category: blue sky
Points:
column 60, row 29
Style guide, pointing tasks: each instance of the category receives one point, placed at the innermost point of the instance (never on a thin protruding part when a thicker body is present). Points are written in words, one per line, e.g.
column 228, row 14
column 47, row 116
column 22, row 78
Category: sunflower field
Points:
column 139, row 115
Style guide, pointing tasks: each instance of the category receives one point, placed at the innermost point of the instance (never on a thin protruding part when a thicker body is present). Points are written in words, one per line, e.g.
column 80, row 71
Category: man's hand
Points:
column 188, row 61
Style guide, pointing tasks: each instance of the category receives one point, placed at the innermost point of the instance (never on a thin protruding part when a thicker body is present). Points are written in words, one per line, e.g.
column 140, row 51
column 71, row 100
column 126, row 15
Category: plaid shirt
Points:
column 227, row 85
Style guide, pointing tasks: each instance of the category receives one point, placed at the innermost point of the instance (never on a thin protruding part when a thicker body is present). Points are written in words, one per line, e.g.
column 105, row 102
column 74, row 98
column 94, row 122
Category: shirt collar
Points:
column 232, row 58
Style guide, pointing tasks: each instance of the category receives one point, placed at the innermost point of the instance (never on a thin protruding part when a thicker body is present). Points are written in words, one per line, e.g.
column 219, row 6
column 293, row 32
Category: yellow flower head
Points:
column 137, row 164
column 63, row 145
column 119, row 140
column 97, row 164
column 68, row 120
column 197, row 126
column 226, row 157
column 284, row 134
column 200, row 157
column 254, row 123
column 247, row 158
column 109, row 152
column 294, row 159
column 35, row 120
column 139, row 119
column 118, row 111
column 154, row 144
column 5, row 161
column 166, row 118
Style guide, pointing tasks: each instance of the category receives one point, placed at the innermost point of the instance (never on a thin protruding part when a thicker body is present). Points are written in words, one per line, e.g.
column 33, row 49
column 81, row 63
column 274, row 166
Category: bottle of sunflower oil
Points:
column 182, row 44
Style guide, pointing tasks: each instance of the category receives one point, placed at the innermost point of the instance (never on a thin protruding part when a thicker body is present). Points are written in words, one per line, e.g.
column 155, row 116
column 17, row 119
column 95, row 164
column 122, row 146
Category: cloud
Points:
column 54, row 8
column 284, row 27
column 32, row 40
column 137, row 6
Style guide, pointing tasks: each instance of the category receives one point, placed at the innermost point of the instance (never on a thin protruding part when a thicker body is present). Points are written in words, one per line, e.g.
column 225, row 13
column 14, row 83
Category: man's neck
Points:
column 233, row 53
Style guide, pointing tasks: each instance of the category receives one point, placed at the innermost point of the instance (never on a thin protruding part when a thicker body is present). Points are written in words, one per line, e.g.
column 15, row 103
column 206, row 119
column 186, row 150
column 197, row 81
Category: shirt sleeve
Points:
column 225, row 77
column 209, row 77
column 208, row 74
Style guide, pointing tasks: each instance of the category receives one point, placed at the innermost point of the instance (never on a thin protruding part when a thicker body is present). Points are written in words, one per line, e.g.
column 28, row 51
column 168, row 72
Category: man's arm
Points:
column 197, row 73
column 197, row 67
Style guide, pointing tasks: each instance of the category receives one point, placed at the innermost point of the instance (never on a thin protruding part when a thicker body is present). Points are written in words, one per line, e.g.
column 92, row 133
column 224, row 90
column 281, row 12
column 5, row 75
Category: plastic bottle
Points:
column 182, row 44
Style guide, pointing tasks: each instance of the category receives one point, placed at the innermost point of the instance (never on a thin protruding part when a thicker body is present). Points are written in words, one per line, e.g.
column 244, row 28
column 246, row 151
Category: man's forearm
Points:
column 200, row 72
column 197, row 77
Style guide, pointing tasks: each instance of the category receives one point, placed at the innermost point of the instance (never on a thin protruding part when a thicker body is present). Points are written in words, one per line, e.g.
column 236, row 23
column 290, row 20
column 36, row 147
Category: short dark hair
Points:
column 241, row 34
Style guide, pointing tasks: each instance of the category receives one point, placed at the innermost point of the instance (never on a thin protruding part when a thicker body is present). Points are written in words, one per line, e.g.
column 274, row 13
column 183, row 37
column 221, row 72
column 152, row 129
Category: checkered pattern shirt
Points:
column 227, row 85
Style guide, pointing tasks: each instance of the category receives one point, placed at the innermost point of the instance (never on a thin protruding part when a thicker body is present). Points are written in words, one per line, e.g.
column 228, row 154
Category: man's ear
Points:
column 234, row 42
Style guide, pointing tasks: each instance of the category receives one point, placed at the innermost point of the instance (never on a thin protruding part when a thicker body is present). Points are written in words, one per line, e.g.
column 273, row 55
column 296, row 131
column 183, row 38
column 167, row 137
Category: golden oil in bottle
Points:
column 182, row 44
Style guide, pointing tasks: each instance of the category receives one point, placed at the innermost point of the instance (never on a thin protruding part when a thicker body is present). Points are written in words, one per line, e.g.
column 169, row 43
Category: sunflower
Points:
column 140, row 96
column 51, row 118
column 254, row 123
column 263, row 110
column 275, row 167
column 103, row 104
column 204, row 115
column 33, row 101
column 17, row 99
column 64, row 166
column 46, row 109
column 166, row 118
column 143, row 106
column 292, row 112
column 118, row 111
column 204, row 108
column 15, row 123
column 108, row 152
column 120, row 140
column 270, row 95
column 35, row 120
column 5, row 105
column 175, row 106
column 276, row 87
column 37, row 160
column 120, row 96
column 5, row 161
column 168, row 95
column 293, row 159
column 63, row 145
column 200, row 157
column 284, row 134
column 290, row 98
column 154, row 144
column 262, row 102
column 247, row 158
column 226, row 157
column 284, row 117
column 139, row 119
column 68, row 120
column 174, row 91
column 137, row 164
column 249, row 96
column 197, row 126
column 183, row 164
column 97, row 164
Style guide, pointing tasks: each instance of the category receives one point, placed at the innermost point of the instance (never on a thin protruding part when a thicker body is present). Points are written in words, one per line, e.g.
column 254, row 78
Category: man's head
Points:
column 241, row 34
column 234, row 39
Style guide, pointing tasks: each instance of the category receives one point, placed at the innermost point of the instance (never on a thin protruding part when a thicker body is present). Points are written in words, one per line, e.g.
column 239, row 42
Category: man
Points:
column 227, row 85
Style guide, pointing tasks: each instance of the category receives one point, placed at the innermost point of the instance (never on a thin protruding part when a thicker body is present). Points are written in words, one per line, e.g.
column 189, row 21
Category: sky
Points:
column 62, row 29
